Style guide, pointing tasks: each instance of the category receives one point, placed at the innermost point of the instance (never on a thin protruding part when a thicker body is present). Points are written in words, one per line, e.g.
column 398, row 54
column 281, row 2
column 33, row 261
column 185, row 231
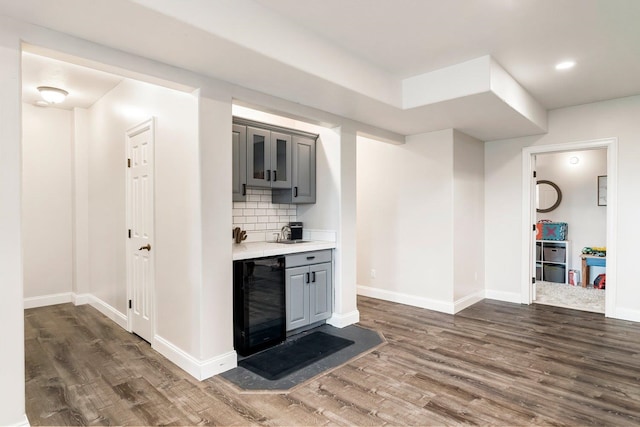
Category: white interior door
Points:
column 534, row 216
column 140, row 235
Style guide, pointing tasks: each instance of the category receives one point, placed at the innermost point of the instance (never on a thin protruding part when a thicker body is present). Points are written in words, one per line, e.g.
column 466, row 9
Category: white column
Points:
column 12, row 400
column 216, row 304
column 345, row 311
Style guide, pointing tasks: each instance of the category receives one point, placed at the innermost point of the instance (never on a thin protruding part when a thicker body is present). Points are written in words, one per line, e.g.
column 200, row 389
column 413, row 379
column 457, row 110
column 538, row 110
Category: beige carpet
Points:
column 575, row 297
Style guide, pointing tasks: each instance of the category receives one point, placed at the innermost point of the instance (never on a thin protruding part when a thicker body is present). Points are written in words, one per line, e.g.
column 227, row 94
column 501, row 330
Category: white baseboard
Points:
column 45, row 300
column 78, row 299
column 467, row 301
column 627, row 314
column 343, row 320
column 104, row 308
column 412, row 300
column 200, row 370
column 218, row 364
column 514, row 297
column 81, row 299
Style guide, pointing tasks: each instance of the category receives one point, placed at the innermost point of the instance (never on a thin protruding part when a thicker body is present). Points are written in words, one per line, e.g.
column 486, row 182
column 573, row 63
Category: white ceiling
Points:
column 349, row 57
column 85, row 85
column 527, row 37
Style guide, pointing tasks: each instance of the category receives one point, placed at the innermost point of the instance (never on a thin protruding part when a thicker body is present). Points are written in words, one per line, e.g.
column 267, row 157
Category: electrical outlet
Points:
column 373, row 273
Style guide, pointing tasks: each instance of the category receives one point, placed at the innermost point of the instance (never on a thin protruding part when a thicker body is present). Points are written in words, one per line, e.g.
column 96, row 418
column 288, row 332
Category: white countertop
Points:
column 263, row 249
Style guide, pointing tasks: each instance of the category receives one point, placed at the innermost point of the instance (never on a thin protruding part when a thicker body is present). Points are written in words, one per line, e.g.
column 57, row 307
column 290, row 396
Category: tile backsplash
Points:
column 261, row 218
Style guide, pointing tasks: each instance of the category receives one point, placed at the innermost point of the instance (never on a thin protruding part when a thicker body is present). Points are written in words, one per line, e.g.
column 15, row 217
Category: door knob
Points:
column 147, row 247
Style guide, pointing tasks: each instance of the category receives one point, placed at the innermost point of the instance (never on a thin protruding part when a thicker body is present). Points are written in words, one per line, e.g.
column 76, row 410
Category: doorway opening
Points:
column 547, row 262
column 570, row 221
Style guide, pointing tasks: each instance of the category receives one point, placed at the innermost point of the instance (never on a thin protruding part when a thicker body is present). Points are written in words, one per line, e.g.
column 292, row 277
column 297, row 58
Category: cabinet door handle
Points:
column 313, row 277
column 244, row 189
column 295, row 191
column 307, row 277
column 268, row 175
column 274, row 176
column 311, row 257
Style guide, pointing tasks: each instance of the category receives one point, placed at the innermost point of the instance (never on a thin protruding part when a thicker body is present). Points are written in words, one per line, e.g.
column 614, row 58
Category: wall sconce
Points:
column 52, row 95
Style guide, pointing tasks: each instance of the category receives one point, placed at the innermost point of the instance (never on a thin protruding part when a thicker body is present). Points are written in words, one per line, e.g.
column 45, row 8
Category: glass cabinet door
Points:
column 280, row 160
column 258, row 157
column 239, row 181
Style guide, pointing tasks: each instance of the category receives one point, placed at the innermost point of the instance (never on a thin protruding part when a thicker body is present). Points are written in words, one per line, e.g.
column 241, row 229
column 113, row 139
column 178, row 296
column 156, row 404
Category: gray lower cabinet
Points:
column 309, row 291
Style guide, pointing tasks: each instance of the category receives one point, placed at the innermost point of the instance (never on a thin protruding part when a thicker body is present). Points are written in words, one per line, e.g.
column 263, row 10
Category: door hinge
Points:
column 533, row 280
column 534, row 229
column 129, row 303
column 128, row 163
column 535, row 174
column 129, row 232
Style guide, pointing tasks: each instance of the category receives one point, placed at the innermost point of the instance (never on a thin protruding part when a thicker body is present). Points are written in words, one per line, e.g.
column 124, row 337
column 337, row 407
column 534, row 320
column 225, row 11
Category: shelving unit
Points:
column 552, row 263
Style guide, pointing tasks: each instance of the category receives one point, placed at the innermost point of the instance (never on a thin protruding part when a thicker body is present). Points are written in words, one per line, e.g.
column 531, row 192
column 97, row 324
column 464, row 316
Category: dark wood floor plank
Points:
column 494, row 363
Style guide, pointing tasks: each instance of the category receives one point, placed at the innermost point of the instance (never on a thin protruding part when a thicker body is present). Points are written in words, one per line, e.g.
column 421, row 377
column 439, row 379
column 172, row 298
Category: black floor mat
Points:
column 291, row 356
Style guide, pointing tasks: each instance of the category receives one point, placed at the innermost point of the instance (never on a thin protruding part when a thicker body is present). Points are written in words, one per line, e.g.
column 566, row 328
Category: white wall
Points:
column 177, row 204
column 468, row 214
column 405, row 221
column 503, row 195
column 420, row 220
column 587, row 222
column 47, row 200
column 80, row 177
column 12, row 410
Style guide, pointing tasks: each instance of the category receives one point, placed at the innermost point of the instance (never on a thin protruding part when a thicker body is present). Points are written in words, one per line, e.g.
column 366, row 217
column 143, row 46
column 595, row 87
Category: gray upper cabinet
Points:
column 239, row 181
column 268, row 158
column 303, row 185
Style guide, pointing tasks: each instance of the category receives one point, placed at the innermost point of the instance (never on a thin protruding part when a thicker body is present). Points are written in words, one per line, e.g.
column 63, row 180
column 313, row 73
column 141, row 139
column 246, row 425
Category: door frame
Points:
column 529, row 217
column 132, row 131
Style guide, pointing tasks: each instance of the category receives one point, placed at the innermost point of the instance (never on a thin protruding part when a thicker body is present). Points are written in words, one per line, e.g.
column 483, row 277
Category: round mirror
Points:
column 548, row 196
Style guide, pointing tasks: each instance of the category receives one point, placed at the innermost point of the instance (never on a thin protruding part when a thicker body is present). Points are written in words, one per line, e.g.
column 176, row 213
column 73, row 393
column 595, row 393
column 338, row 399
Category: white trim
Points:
column 624, row 313
column 412, row 300
column 104, row 308
column 78, row 299
column 200, row 370
column 467, row 301
column 217, row 365
column 81, row 299
column 45, row 300
column 343, row 320
column 24, row 422
column 503, row 296
column 611, row 145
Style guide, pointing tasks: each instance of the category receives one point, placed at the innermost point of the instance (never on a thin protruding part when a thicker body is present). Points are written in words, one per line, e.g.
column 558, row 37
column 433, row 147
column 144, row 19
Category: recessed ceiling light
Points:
column 565, row 65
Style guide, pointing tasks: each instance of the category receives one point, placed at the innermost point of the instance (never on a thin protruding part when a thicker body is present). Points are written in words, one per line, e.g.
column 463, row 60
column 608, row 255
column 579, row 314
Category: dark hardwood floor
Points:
column 492, row 364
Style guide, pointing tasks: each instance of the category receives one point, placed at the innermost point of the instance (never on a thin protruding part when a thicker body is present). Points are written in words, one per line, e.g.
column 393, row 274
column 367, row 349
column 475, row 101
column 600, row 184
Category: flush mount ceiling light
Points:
column 565, row 65
column 574, row 160
column 52, row 95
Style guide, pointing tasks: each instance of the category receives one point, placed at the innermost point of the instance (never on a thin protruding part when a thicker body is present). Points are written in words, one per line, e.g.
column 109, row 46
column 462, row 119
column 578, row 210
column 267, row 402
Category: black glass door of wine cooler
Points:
column 259, row 304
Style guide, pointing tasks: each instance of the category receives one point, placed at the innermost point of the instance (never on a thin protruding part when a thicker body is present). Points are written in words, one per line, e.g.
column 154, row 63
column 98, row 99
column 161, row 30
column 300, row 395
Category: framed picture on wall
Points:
column 602, row 190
